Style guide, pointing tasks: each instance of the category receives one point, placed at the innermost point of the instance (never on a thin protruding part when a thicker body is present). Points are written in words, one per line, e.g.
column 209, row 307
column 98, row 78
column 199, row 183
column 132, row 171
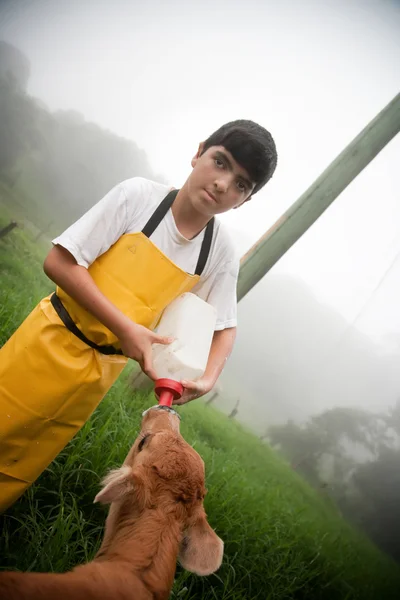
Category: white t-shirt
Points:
column 126, row 209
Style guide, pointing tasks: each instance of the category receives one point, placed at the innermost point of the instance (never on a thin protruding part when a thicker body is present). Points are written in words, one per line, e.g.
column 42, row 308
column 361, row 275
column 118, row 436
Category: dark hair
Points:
column 251, row 146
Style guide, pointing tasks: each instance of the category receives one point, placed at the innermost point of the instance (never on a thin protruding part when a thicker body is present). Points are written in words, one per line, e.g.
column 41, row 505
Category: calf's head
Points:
column 162, row 472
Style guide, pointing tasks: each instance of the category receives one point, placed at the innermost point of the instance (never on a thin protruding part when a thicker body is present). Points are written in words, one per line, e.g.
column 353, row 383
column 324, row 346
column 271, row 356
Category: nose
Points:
column 222, row 183
column 159, row 418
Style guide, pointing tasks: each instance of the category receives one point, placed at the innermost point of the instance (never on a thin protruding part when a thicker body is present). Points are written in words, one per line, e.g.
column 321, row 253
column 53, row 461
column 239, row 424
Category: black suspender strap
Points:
column 159, row 213
column 70, row 325
column 158, row 216
column 205, row 247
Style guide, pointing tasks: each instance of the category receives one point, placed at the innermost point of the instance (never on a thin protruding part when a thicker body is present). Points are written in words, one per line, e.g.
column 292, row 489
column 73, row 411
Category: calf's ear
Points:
column 121, row 482
column 201, row 550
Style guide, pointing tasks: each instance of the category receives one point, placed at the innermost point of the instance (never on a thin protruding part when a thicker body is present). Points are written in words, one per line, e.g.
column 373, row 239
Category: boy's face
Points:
column 217, row 182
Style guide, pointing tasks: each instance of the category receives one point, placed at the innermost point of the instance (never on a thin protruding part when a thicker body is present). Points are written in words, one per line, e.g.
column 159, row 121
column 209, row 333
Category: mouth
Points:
column 210, row 196
column 158, row 407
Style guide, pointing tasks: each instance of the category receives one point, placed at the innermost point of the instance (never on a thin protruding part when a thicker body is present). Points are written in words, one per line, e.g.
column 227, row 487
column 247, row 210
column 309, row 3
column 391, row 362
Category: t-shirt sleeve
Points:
column 101, row 226
column 223, row 295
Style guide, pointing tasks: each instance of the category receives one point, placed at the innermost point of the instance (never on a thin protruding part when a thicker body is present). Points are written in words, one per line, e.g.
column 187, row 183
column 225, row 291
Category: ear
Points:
column 198, row 154
column 201, row 550
column 115, row 485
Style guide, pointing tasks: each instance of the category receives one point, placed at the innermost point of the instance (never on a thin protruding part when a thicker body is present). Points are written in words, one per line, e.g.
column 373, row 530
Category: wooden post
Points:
column 212, row 398
column 306, row 210
column 8, row 228
column 234, row 412
column 213, row 395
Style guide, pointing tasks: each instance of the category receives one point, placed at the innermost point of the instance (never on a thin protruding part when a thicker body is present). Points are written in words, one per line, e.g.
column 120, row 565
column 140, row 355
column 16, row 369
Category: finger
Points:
column 197, row 388
column 161, row 339
column 190, row 385
column 186, row 397
column 181, row 401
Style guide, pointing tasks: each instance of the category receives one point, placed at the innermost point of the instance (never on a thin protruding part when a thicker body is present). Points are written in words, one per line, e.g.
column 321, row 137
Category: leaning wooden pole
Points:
column 306, row 210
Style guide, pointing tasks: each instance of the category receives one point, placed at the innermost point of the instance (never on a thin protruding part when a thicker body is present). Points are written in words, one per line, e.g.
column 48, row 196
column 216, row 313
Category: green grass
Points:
column 282, row 540
column 23, row 281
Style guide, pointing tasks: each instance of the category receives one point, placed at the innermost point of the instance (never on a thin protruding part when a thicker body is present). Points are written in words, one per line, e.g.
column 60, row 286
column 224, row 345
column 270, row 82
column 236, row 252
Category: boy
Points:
column 116, row 269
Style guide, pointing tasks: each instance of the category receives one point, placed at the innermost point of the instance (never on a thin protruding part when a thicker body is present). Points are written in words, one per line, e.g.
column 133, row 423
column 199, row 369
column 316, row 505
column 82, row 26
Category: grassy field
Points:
column 282, row 540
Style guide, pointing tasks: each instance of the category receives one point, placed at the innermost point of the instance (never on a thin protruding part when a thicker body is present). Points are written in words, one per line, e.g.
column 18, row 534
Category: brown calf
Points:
column 156, row 516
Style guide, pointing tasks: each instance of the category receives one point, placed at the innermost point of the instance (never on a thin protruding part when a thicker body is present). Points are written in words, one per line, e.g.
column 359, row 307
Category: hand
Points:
column 136, row 342
column 193, row 390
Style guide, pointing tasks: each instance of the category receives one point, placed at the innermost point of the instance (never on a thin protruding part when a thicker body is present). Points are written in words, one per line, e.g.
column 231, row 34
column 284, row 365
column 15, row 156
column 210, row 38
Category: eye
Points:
column 241, row 186
column 142, row 442
column 184, row 498
column 219, row 163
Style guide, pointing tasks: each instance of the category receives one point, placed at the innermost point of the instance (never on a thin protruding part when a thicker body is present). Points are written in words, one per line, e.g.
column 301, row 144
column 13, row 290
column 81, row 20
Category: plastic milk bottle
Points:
column 191, row 322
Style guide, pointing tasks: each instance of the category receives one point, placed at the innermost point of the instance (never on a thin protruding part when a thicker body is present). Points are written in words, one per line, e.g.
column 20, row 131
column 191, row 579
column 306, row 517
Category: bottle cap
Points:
column 167, row 390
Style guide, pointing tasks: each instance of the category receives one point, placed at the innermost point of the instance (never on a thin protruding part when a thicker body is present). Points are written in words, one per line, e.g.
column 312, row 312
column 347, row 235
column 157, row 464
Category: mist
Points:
column 95, row 93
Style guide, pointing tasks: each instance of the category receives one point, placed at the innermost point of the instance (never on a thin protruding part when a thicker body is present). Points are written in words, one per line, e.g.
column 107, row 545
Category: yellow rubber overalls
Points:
column 61, row 361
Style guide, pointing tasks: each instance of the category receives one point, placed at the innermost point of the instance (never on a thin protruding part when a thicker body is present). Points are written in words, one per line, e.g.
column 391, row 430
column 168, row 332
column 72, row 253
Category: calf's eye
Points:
column 142, row 443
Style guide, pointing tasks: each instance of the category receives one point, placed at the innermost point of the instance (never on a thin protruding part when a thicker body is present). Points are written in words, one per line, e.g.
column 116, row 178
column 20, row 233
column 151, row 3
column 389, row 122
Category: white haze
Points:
column 323, row 327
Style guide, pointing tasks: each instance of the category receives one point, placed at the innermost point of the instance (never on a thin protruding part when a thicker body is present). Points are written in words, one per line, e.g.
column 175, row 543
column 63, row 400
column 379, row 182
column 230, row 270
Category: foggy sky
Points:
column 314, row 73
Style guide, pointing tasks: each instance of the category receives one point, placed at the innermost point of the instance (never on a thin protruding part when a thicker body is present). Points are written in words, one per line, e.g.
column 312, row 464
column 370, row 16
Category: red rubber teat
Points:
column 167, row 390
